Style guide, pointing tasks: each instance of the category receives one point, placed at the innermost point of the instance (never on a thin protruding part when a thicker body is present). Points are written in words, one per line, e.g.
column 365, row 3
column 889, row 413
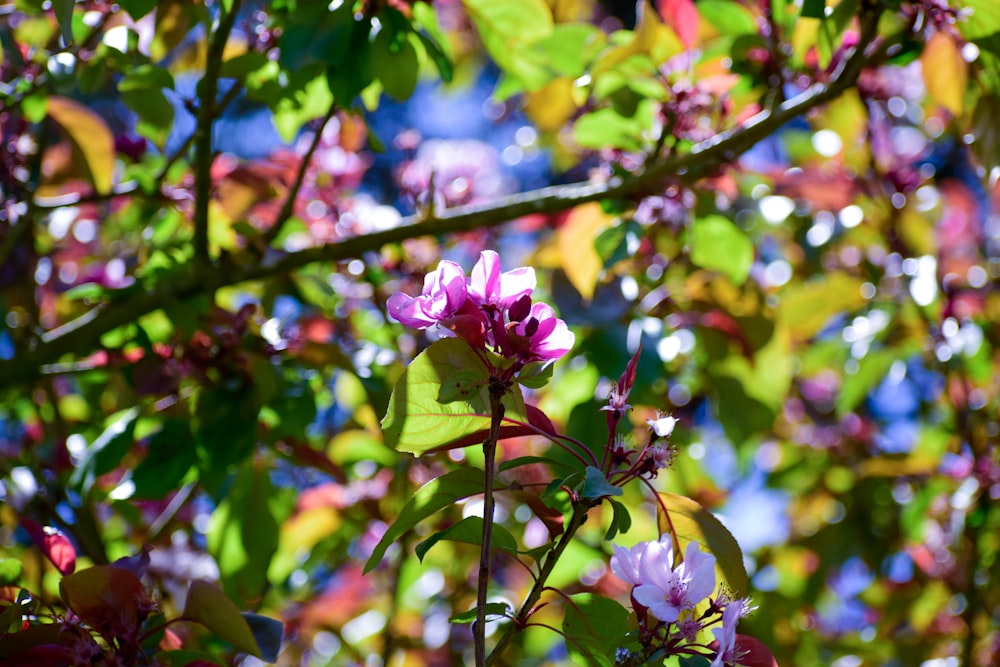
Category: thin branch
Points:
column 289, row 206
column 704, row 158
column 208, row 89
column 521, row 618
column 497, row 391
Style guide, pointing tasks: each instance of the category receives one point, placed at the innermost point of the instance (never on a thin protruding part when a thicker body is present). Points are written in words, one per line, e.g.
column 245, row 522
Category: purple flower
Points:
column 547, row 336
column 443, row 294
column 665, row 591
column 489, row 287
column 726, row 635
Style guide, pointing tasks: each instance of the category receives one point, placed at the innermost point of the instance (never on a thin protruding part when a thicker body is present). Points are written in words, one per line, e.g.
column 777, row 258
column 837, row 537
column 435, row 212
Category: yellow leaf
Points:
column 89, row 136
column 651, row 37
column 576, row 247
column 551, row 106
column 945, row 72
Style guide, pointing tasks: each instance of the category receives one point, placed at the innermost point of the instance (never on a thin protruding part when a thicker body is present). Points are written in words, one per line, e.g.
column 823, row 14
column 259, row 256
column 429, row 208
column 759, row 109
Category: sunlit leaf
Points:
column 430, row 498
column 576, row 246
column 208, row 605
column 720, row 245
column 470, row 531
column 595, row 627
column 89, row 136
column 53, row 543
column 691, row 522
column 805, row 308
column 416, row 421
column 945, row 72
column 493, row 609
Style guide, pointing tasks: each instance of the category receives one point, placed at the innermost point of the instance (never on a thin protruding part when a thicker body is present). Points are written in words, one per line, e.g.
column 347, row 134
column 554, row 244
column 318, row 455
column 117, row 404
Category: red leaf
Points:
column 682, row 16
column 105, row 597
column 54, row 544
column 757, row 654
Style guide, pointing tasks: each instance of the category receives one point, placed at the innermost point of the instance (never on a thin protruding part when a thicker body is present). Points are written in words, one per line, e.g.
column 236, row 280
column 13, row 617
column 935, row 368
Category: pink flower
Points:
column 625, row 562
column 665, row 591
column 726, row 636
column 489, row 287
column 547, row 336
column 443, row 294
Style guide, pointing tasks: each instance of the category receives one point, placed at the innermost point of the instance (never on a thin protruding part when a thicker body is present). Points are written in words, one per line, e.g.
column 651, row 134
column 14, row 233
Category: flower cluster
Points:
column 490, row 308
column 665, row 598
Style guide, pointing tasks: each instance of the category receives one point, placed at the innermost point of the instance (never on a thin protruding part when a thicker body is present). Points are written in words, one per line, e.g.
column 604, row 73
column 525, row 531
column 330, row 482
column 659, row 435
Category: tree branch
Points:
column 704, row 158
column 289, row 205
column 208, row 89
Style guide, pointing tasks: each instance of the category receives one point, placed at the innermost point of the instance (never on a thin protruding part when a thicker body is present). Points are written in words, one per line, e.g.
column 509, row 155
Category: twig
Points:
column 497, row 391
column 208, row 88
column 521, row 618
column 289, row 206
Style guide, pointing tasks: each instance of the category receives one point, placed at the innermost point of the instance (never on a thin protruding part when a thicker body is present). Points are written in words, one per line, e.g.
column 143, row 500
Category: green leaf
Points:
column 470, row 531
column 440, row 58
column 146, row 77
column 507, row 29
column 208, row 605
column 243, row 532
column 728, row 18
column 612, row 244
column 872, row 369
column 225, row 428
column 107, row 451
column 594, row 627
column 720, row 245
column 693, row 661
column 501, row 609
column 693, row 523
column 529, row 460
column 536, row 374
column 813, row 9
column 606, row 128
column 417, row 421
column 10, row 571
column 267, row 632
column 64, row 15
column 596, row 485
column 309, row 102
column 571, row 47
column 805, row 308
column 621, row 520
column 395, row 65
column 170, row 455
column 463, row 385
column 137, row 8
column 156, row 113
column 430, row 498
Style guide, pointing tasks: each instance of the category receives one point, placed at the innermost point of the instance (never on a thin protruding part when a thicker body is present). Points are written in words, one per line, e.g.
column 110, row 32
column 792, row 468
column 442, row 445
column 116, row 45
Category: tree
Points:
column 766, row 229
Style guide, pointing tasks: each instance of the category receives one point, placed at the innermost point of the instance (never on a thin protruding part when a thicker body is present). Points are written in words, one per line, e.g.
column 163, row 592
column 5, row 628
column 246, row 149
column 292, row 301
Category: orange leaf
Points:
column 90, row 137
column 945, row 72
column 576, row 247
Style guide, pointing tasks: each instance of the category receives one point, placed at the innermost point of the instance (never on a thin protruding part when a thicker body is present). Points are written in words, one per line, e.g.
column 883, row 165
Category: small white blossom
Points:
column 662, row 426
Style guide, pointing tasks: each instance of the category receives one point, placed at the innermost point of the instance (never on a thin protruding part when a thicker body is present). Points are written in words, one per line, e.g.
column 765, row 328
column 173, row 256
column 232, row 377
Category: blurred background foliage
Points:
column 792, row 206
